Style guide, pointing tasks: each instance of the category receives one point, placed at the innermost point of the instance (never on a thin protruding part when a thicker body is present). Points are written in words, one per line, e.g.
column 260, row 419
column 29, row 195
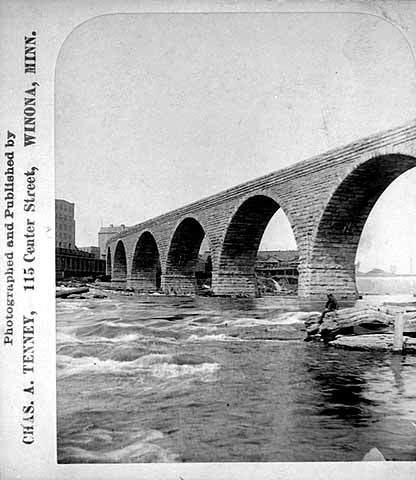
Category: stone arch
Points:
column 119, row 273
column 145, row 269
column 108, row 262
column 236, row 266
column 179, row 277
column 331, row 265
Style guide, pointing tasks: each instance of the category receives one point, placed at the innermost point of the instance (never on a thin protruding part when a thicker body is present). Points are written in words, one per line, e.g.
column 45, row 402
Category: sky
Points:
column 153, row 112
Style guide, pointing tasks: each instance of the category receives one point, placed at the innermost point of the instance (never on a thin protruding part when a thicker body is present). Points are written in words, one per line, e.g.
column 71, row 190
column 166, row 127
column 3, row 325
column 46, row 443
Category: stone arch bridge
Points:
column 327, row 200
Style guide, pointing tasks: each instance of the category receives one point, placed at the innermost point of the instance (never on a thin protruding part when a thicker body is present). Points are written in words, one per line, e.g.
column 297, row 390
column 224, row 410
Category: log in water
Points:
column 65, row 292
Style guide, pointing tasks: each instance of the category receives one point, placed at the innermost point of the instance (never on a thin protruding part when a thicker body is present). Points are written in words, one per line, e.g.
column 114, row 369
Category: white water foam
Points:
column 157, row 365
column 111, row 323
column 213, row 338
column 128, row 337
column 71, row 338
column 287, row 318
column 192, row 326
column 141, row 450
column 247, row 322
column 66, row 337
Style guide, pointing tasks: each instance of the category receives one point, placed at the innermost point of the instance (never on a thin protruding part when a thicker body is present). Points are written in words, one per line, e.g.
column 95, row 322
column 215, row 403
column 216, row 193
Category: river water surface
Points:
column 159, row 379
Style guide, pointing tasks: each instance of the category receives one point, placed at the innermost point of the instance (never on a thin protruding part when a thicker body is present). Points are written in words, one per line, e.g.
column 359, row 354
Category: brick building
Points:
column 64, row 224
column 71, row 261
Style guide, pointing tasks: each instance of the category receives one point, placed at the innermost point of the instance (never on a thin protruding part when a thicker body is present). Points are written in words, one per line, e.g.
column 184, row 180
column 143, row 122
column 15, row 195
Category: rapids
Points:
column 163, row 379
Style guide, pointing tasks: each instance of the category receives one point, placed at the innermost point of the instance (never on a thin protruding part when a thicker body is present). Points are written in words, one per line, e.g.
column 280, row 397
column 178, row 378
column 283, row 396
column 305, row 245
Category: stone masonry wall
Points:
column 326, row 199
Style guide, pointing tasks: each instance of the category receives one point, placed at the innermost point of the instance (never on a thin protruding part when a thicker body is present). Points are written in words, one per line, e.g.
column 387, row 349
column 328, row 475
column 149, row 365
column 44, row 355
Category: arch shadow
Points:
column 145, row 270
column 182, row 258
column 119, row 273
column 108, row 269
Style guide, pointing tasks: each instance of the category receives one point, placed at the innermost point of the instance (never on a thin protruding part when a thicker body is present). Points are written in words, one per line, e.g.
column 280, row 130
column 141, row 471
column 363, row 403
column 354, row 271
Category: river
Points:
column 165, row 379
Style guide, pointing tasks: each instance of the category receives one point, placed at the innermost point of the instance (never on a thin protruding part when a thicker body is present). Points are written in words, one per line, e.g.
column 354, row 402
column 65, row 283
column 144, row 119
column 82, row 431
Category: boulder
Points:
column 373, row 455
column 373, row 342
column 391, row 310
column 364, row 328
column 364, row 342
column 312, row 323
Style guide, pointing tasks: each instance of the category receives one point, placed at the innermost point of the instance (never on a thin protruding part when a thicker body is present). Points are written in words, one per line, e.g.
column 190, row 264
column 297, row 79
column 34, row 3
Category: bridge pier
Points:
column 316, row 281
column 118, row 282
column 178, row 284
column 142, row 284
column 234, row 284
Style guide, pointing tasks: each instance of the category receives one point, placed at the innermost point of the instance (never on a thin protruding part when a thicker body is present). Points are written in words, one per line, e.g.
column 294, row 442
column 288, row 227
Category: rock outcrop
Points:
column 347, row 321
column 373, row 342
column 364, row 328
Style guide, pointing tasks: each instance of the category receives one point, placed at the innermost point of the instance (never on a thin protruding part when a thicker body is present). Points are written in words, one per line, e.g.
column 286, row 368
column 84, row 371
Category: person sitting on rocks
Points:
column 330, row 306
